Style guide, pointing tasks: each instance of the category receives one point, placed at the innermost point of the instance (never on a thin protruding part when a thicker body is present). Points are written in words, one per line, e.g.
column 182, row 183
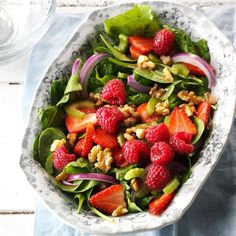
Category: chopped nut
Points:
column 131, row 116
column 135, row 184
column 92, row 156
column 57, row 143
column 144, row 62
column 188, row 108
column 104, row 160
column 128, row 136
column 210, row 98
column 148, row 65
column 167, row 75
column 166, row 60
column 96, row 98
column 119, row 211
column 162, row 108
column 128, row 111
column 189, row 97
column 140, row 133
column 130, row 121
column 141, row 60
column 71, row 138
column 156, row 91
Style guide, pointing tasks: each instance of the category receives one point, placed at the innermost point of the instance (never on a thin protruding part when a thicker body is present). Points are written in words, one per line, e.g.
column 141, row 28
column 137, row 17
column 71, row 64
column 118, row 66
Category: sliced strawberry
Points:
column 159, row 205
column 84, row 145
column 76, row 125
column 144, row 45
column 203, row 111
column 193, row 70
column 104, row 139
column 109, row 199
column 179, row 121
column 118, row 157
column 142, row 110
column 135, row 53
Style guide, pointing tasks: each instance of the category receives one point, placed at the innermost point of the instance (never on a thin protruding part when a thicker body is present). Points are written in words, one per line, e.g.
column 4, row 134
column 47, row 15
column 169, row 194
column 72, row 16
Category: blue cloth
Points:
column 213, row 212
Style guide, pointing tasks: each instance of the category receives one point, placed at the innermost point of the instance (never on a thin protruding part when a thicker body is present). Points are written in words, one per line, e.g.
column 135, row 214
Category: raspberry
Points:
column 118, row 157
column 157, row 177
column 134, row 150
column 114, row 92
column 109, row 118
column 61, row 157
column 157, row 133
column 161, row 153
column 163, row 42
column 181, row 143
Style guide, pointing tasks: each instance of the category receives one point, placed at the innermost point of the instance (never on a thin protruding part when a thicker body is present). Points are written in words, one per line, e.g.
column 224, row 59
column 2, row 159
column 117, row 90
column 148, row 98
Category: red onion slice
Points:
column 198, row 62
column 92, row 176
column 87, row 70
column 75, row 67
column 137, row 86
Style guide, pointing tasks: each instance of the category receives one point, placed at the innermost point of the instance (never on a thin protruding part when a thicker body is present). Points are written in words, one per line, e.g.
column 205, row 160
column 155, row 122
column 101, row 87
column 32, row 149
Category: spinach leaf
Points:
column 72, row 89
column 138, row 98
column 143, row 202
column 184, row 41
column 174, row 101
column 68, row 188
column 86, row 185
column 200, row 129
column 46, row 138
column 57, row 90
column 79, row 166
column 189, row 172
column 203, row 49
column 118, row 55
column 139, row 20
column 35, row 147
column 51, row 117
column 154, row 75
column 122, row 63
column 143, row 80
column 106, row 67
column 132, row 207
column 49, row 164
column 94, row 85
column 81, row 198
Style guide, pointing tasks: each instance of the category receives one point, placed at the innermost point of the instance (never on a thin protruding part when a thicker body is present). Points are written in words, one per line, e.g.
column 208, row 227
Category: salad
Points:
column 122, row 131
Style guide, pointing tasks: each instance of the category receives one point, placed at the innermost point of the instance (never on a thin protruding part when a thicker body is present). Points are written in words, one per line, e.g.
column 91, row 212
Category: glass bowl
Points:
column 22, row 24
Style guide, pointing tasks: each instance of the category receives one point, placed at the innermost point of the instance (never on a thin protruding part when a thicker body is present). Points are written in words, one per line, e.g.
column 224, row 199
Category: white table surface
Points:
column 16, row 196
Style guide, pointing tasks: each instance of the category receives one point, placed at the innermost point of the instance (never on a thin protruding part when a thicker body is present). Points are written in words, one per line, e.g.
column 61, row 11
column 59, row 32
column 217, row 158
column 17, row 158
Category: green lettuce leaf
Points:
column 139, row 20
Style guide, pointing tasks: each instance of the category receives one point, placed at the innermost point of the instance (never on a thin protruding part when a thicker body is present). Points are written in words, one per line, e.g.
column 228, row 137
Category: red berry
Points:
column 158, row 206
column 203, row 111
column 104, row 139
column 179, row 121
column 61, row 157
column 181, row 143
column 135, row 151
column 114, row 92
column 109, row 118
column 157, row 177
column 118, row 157
column 161, row 153
column 157, row 133
column 163, row 42
column 109, row 199
column 84, row 145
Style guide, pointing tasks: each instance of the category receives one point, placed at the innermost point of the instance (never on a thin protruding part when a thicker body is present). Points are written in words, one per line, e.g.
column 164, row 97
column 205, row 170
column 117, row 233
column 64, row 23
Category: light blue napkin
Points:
column 213, row 213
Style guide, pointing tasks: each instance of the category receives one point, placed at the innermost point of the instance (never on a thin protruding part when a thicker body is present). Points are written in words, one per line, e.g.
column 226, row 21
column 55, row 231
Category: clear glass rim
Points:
column 32, row 34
